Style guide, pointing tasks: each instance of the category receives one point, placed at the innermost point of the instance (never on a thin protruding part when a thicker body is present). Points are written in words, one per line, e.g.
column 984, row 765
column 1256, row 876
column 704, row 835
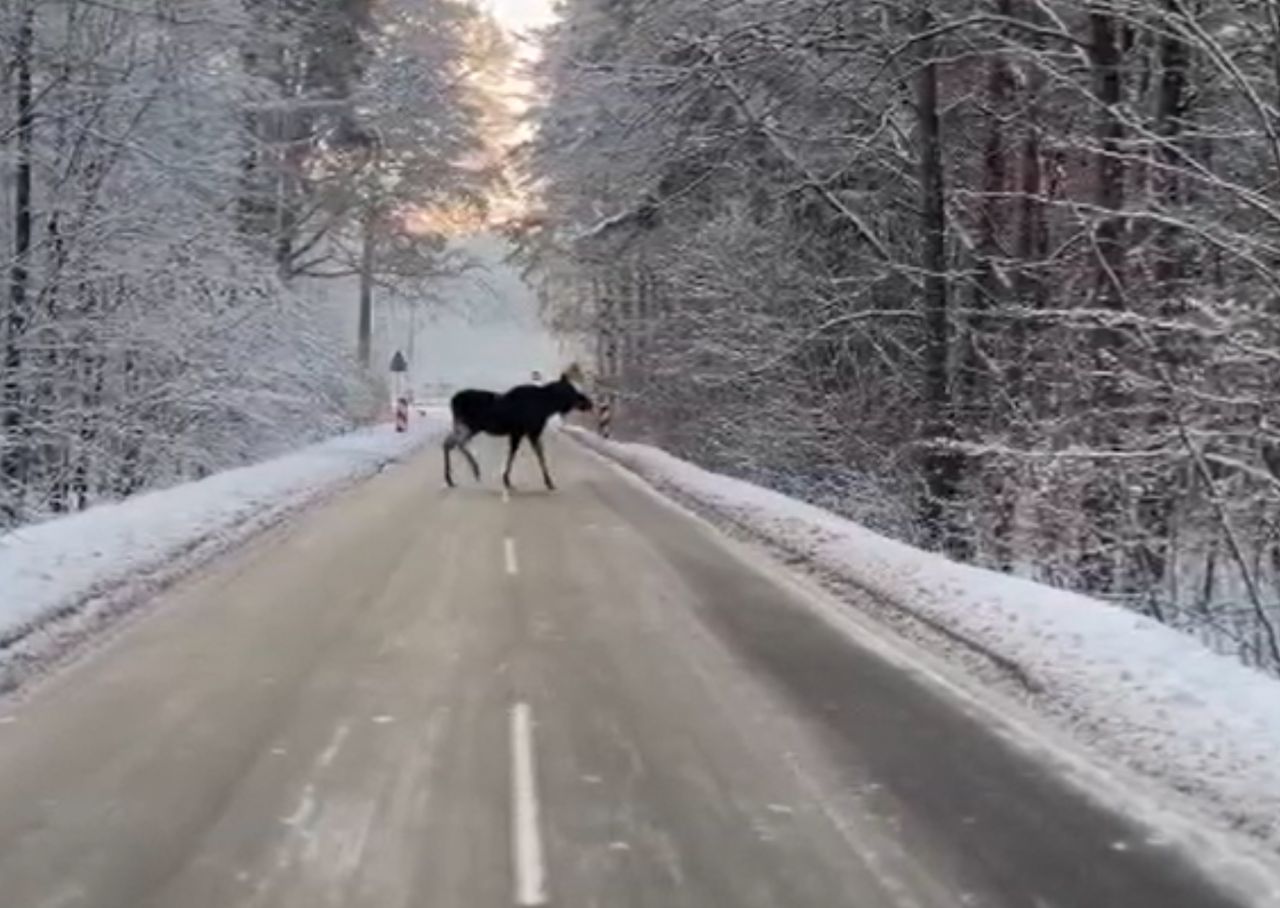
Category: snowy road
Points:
column 426, row 698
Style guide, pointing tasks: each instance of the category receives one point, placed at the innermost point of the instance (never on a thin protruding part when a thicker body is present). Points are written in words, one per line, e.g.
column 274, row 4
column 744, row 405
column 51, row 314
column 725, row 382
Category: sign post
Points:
column 399, row 398
column 606, row 416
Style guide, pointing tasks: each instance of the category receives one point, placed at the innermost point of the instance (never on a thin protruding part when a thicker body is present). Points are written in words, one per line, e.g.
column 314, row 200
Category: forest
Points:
column 996, row 277
column 177, row 179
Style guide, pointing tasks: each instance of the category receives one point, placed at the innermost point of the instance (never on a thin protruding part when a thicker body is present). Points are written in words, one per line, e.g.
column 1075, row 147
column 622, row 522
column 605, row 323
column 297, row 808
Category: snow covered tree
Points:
column 166, row 171
column 996, row 275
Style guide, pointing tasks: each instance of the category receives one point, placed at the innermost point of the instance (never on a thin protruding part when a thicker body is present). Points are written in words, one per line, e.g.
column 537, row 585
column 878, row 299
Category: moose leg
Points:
column 466, row 452
column 536, row 441
column 449, row 445
column 458, row 438
column 511, row 458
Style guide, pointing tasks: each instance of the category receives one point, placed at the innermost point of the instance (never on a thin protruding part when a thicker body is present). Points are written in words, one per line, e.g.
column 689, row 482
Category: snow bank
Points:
column 50, row 571
column 1141, row 691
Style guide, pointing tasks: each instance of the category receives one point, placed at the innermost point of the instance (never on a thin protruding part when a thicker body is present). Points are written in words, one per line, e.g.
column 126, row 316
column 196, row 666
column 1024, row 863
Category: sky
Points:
column 521, row 14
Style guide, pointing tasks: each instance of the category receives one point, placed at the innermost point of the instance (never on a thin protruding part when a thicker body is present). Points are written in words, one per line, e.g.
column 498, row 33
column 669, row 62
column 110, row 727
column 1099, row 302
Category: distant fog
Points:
column 482, row 329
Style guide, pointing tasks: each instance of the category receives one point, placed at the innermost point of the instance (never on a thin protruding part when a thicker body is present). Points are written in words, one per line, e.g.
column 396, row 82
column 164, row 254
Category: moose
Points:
column 520, row 413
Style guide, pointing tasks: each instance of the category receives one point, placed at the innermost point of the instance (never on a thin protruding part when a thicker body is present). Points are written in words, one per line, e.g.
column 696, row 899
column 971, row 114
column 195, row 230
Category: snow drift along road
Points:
column 59, row 576
column 1152, row 696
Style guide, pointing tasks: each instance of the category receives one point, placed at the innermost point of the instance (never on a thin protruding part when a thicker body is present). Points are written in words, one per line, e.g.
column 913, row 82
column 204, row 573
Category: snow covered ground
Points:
column 62, row 578
column 1151, row 696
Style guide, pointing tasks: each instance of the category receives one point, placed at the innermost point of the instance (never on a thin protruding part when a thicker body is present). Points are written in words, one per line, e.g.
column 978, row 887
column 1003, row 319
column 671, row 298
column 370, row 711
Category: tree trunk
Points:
column 364, row 339
column 1102, row 495
column 1155, row 509
column 1032, row 247
column 942, row 465
column 983, row 348
column 1171, row 112
column 1105, row 52
column 14, row 445
column 991, row 227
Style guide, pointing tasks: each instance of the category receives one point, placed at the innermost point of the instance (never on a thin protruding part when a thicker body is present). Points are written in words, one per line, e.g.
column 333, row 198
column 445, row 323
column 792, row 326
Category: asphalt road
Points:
column 416, row 697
